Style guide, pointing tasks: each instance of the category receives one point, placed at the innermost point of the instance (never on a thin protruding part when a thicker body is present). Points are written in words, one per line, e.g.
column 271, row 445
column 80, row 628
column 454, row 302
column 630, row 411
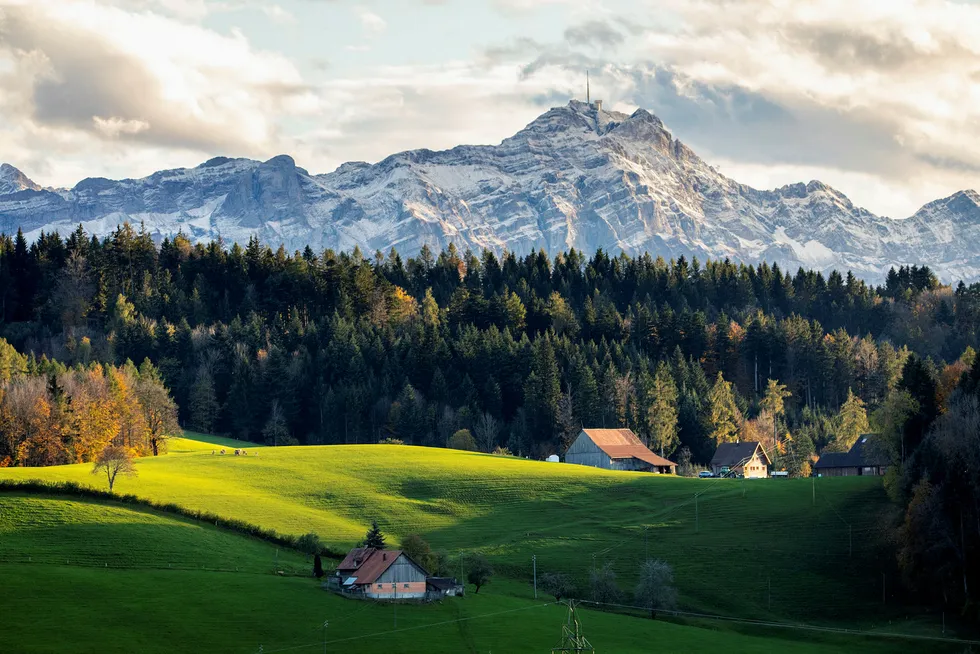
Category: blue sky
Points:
column 881, row 100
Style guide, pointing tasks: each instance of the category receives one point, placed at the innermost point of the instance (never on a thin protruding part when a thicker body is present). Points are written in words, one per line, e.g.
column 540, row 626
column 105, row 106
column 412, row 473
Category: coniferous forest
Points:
column 507, row 353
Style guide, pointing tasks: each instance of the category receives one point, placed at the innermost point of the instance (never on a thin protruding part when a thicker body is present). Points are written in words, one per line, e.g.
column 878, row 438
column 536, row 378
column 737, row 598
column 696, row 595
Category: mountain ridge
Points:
column 576, row 176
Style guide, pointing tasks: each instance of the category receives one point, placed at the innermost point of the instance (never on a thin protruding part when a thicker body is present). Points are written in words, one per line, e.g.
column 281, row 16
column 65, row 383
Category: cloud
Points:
column 595, row 33
column 372, row 23
column 113, row 127
column 85, row 73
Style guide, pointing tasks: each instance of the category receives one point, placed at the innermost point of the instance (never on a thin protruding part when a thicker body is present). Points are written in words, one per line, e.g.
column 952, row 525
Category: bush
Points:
column 557, row 584
column 502, row 451
column 391, row 441
column 309, row 544
column 463, row 440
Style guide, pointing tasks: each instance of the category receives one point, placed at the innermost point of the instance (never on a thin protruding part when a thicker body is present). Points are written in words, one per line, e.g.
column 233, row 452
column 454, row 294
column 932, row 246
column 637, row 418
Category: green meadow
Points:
column 786, row 551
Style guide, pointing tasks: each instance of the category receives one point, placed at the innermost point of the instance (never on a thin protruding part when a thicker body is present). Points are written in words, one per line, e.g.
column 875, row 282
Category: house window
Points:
column 380, row 586
column 405, row 586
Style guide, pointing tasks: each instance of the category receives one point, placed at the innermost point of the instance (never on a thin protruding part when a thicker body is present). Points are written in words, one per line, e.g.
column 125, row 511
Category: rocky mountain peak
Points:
column 577, row 176
column 14, row 181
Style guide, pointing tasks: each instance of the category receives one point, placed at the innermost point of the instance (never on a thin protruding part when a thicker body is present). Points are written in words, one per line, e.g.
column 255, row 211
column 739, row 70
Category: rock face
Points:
column 575, row 177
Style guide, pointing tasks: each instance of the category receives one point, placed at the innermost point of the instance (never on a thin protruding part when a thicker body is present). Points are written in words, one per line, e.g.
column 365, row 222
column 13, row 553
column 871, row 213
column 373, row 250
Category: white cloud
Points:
column 372, row 23
column 82, row 73
column 114, row 126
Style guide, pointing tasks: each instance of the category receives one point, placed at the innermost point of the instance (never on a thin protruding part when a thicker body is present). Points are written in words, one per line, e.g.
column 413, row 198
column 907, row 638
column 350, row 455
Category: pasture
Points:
column 773, row 550
column 65, row 599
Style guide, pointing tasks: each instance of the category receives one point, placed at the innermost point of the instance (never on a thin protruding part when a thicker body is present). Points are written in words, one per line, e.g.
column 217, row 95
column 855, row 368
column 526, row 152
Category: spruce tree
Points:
column 374, row 538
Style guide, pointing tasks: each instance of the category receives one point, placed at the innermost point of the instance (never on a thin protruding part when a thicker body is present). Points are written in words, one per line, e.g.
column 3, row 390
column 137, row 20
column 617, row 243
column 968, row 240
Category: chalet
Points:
column 381, row 574
column 616, row 449
column 864, row 458
column 748, row 459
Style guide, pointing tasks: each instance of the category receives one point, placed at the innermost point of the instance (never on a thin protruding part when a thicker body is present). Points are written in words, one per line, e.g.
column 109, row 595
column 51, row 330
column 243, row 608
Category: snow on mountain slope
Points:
column 574, row 177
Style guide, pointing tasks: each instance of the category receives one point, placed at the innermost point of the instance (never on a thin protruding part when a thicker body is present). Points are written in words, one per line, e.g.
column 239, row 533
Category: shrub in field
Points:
column 309, row 544
column 391, row 441
column 557, row 584
column 463, row 440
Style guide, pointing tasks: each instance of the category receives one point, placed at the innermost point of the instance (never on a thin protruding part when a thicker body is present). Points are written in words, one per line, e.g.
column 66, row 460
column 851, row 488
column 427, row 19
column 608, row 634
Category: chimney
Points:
column 384, row 556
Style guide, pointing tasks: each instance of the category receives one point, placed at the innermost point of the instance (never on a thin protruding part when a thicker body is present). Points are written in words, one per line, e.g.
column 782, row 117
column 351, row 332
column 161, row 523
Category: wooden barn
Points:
column 616, row 449
column 748, row 459
column 381, row 574
column 864, row 458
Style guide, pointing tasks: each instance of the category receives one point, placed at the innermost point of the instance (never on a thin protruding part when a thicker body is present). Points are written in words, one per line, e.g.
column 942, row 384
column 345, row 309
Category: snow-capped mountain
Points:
column 577, row 176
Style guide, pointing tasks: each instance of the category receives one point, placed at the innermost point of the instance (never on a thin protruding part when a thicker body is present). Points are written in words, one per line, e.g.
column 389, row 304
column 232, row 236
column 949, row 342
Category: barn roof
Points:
column 355, row 558
column 623, row 444
column 864, row 452
column 732, row 454
column 366, row 564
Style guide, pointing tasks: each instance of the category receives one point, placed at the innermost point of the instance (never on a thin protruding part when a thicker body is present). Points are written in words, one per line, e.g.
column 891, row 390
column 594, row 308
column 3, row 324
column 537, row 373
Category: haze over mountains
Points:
column 577, row 176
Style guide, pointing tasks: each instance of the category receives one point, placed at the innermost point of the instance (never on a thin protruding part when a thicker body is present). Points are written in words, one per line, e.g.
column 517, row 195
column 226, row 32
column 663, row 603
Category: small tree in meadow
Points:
column 557, row 584
column 478, row 571
column 655, row 587
column 114, row 461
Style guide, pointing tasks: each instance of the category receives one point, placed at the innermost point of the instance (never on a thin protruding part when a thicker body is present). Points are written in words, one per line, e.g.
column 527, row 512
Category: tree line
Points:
column 522, row 351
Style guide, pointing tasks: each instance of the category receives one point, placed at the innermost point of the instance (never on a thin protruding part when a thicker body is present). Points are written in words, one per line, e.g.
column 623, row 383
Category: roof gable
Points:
column 355, row 558
column 732, row 454
column 376, row 563
column 624, row 444
column 866, row 451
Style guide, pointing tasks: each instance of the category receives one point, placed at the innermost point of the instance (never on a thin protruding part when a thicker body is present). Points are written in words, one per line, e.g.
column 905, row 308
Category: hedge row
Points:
column 71, row 488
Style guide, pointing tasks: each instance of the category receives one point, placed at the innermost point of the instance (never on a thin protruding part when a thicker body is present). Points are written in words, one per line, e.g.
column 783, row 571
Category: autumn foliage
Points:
column 51, row 415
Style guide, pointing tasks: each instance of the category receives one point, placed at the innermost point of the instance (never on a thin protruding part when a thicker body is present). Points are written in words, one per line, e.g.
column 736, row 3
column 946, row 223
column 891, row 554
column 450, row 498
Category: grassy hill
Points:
column 114, row 578
column 760, row 549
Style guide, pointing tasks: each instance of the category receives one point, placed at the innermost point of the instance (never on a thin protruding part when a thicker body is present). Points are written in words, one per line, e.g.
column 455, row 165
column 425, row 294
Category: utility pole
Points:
column 534, row 566
column 325, row 623
column 572, row 639
column 697, row 518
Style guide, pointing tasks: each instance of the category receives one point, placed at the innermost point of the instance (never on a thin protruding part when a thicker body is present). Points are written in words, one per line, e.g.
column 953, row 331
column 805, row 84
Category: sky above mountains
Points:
column 879, row 99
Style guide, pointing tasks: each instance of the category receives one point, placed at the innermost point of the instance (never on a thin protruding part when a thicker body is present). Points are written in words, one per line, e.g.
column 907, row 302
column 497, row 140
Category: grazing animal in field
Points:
column 222, row 451
column 237, row 452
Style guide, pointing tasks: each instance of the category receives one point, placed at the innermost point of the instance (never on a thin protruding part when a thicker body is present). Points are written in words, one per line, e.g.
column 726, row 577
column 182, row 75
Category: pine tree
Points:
column 725, row 418
column 374, row 538
column 662, row 411
column 851, row 423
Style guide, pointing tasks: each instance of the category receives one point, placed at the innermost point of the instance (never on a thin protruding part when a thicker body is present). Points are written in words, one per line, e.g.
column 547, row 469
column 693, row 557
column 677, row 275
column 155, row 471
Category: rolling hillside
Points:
column 100, row 580
column 756, row 549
